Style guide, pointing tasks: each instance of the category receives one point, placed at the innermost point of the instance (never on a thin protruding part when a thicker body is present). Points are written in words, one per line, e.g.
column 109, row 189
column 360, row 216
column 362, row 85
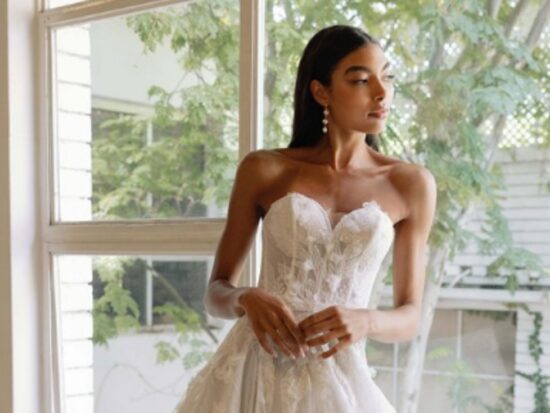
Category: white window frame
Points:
column 28, row 239
column 194, row 234
column 459, row 307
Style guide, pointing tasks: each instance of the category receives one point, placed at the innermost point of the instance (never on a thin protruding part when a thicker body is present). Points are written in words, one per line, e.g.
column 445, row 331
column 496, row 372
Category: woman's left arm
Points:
column 409, row 273
column 409, row 261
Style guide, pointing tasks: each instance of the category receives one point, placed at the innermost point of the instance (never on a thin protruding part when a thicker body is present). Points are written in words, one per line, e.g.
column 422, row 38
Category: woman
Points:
column 332, row 205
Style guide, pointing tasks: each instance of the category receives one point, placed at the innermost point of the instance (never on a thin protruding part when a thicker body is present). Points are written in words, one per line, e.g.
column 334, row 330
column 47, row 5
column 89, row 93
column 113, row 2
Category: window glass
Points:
column 146, row 114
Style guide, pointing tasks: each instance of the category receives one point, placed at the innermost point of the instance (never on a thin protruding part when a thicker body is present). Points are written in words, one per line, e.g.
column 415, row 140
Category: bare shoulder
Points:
column 260, row 169
column 406, row 173
column 416, row 185
column 264, row 163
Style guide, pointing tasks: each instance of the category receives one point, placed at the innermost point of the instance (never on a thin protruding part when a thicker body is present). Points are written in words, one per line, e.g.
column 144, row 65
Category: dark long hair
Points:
column 321, row 55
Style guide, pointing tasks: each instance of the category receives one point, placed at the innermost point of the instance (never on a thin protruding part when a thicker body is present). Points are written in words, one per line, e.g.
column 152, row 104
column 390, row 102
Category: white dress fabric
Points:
column 311, row 264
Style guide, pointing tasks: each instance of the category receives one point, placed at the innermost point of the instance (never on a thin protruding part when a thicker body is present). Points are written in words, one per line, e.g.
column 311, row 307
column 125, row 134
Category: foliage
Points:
column 185, row 321
column 538, row 378
column 462, row 383
column 505, row 402
column 115, row 311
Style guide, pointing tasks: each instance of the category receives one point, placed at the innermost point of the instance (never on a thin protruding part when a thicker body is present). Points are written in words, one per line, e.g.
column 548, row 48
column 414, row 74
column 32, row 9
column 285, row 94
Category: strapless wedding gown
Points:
column 311, row 264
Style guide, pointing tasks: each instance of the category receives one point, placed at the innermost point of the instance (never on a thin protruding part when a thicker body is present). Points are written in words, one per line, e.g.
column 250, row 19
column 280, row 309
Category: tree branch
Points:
column 180, row 300
column 493, row 7
column 514, row 15
column 538, row 26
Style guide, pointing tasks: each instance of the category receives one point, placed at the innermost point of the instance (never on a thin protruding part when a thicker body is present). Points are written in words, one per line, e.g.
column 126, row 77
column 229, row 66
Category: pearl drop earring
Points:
column 325, row 120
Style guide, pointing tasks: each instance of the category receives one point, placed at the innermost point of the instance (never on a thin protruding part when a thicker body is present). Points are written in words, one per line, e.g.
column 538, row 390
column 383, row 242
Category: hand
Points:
column 270, row 315
column 348, row 325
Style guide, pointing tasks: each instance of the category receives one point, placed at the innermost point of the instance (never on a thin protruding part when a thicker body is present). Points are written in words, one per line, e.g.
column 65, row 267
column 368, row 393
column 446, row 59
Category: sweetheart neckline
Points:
column 326, row 211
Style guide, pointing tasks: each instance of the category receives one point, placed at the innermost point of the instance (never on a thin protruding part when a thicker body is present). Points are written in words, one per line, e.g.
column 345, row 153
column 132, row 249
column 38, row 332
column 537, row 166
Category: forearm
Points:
column 222, row 299
column 390, row 326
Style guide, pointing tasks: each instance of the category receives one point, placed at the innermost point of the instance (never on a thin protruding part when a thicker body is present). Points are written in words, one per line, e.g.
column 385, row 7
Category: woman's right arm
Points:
column 268, row 314
column 222, row 296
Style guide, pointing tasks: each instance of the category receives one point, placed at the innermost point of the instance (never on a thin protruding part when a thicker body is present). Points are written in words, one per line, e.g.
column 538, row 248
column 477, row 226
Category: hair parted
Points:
column 319, row 58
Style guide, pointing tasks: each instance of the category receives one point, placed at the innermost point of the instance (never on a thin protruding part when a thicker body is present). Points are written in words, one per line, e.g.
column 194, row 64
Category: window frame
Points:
column 167, row 237
column 28, row 241
column 458, row 306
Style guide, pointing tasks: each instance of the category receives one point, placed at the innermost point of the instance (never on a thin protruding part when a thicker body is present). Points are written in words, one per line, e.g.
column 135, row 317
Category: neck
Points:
column 345, row 152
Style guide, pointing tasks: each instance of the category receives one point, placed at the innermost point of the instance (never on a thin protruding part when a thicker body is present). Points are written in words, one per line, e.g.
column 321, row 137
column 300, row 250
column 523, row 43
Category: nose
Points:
column 379, row 91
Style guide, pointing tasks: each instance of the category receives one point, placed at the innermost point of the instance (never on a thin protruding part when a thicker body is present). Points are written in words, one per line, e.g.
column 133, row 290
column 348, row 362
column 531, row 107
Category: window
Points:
column 173, row 153
column 130, row 326
column 142, row 146
column 457, row 376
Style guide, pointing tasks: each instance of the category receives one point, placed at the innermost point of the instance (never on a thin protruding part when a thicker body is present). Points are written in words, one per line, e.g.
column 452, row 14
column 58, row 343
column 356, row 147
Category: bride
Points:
column 332, row 205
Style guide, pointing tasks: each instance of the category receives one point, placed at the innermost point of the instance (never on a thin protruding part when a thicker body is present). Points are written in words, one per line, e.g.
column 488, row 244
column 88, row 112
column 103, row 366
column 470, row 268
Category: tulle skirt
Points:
column 241, row 377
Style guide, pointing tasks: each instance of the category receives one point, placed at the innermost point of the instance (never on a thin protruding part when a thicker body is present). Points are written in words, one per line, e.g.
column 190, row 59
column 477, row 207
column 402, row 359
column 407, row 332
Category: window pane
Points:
column 283, row 49
column 380, row 354
column 494, row 332
column 498, row 394
column 131, row 326
column 434, row 396
column 470, row 378
column 465, row 394
column 146, row 114
column 441, row 348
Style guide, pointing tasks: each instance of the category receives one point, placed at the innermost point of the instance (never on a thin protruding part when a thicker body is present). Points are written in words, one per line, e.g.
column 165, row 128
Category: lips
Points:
column 379, row 114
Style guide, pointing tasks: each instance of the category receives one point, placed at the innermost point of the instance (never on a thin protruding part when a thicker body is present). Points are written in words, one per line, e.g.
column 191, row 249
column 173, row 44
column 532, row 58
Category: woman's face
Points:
column 361, row 83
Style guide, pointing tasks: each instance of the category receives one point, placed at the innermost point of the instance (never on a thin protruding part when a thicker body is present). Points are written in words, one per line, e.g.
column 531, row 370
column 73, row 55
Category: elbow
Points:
column 407, row 336
column 207, row 303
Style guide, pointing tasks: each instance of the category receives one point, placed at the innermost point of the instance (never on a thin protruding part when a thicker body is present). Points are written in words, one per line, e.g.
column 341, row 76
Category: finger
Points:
column 298, row 340
column 316, row 317
column 261, row 336
column 320, row 327
column 290, row 322
column 286, row 335
column 325, row 338
column 275, row 335
column 334, row 349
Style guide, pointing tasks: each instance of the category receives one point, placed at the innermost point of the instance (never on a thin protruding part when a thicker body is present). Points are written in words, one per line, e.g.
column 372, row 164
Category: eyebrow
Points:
column 362, row 68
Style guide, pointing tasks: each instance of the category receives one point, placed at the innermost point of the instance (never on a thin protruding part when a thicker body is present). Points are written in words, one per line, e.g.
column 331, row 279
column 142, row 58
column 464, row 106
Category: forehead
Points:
column 370, row 56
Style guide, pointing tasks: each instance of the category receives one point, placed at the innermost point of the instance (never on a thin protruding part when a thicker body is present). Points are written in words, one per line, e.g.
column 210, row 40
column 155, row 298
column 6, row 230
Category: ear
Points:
column 319, row 92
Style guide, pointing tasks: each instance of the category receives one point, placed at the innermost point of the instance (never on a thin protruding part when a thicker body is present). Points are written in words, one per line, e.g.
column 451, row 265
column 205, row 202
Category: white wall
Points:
column 127, row 377
column 526, row 205
column 19, row 247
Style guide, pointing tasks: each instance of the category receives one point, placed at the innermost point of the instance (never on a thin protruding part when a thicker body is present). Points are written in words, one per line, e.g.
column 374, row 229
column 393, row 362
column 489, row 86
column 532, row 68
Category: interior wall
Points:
column 20, row 338
column 6, row 401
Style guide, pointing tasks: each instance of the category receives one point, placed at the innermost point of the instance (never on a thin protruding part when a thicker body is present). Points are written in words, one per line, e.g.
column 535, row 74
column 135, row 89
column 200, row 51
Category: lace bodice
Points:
column 311, row 263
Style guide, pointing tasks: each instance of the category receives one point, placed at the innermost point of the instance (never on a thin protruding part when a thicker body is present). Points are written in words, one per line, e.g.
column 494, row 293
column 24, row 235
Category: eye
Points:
column 359, row 81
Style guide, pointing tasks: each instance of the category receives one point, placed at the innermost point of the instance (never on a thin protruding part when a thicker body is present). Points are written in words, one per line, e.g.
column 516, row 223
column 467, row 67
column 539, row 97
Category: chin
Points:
column 372, row 131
